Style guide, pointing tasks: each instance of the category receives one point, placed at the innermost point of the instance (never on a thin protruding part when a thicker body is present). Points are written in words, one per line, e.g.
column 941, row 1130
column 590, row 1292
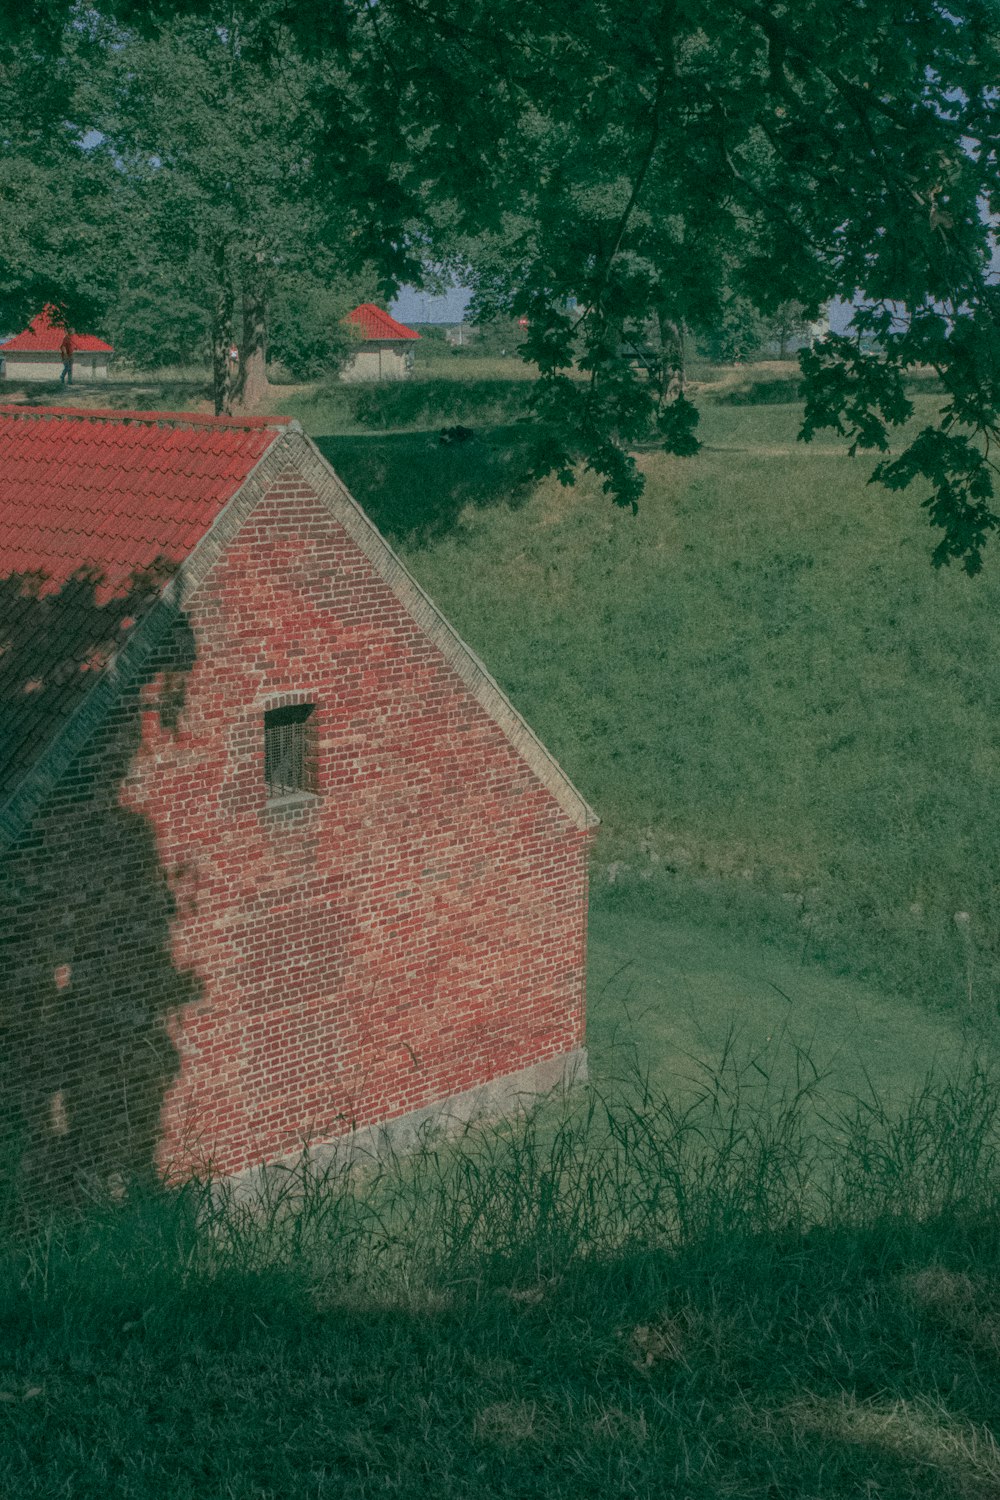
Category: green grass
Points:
column 665, row 995
column 424, row 487
column 782, row 713
column 425, row 403
column 737, row 1294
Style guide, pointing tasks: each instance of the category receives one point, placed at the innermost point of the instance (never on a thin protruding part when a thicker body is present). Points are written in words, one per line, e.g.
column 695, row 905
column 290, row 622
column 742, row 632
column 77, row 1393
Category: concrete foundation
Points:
column 509, row 1095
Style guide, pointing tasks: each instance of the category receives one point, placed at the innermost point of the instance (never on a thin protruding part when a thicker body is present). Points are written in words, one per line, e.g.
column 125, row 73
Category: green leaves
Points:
column 962, row 488
column 668, row 169
column 856, row 391
column 858, row 388
column 668, row 165
column 676, row 424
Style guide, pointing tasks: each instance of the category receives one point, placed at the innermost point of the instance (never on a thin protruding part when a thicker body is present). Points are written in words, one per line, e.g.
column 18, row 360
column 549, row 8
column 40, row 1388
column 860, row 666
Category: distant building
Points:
column 385, row 349
column 34, row 354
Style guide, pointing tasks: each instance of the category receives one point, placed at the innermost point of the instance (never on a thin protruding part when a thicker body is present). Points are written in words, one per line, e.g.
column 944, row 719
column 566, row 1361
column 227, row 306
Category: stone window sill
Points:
column 293, row 802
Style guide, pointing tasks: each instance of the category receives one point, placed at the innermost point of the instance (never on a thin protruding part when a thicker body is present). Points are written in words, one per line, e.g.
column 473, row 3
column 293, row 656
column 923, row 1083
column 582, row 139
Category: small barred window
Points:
column 289, row 754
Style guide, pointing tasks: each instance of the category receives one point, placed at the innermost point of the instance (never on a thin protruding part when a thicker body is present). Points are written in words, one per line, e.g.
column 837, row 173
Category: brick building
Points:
column 278, row 859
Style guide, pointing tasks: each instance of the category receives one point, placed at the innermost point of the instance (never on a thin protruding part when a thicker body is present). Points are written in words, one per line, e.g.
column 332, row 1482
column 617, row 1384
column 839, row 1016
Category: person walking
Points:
column 66, row 350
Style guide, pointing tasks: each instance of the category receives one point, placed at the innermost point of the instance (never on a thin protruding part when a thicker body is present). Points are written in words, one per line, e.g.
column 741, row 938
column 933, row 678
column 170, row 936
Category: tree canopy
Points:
column 648, row 164
column 200, row 141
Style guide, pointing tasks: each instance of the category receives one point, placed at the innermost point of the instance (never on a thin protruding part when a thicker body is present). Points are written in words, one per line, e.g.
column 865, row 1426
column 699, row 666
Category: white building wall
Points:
column 22, row 368
column 390, row 363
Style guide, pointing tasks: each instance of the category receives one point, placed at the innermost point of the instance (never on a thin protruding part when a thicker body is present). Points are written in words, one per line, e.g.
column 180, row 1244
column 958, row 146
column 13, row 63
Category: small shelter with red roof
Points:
column 279, row 861
column 35, row 353
column 385, row 347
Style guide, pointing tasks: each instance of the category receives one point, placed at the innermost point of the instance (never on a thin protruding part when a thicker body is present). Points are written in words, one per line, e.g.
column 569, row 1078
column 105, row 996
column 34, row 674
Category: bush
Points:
column 307, row 334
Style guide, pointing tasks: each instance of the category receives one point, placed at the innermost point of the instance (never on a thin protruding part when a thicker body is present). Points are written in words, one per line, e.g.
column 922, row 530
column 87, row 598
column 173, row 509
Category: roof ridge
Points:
column 151, row 418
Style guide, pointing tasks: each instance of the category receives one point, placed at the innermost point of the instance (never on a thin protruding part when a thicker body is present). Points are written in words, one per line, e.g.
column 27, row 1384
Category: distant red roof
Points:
column 376, row 324
column 44, row 337
column 97, row 510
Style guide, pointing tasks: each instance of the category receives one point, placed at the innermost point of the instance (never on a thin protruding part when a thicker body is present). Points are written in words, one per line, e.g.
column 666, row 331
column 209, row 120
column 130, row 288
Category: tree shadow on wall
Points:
column 89, row 981
column 415, row 487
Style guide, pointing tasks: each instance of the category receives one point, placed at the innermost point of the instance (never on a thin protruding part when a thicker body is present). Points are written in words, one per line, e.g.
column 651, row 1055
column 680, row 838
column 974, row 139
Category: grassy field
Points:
column 784, row 715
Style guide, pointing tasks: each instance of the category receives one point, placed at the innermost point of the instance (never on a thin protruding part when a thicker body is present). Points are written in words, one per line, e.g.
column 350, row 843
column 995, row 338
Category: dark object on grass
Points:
column 451, row 435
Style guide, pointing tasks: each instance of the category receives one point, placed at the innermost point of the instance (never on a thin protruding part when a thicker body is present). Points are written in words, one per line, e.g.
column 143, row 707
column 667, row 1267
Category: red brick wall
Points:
column 272, row 972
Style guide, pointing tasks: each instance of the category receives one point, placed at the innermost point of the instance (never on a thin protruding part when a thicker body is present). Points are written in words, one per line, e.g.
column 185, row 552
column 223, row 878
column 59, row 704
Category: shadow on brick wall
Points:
column 89, row 982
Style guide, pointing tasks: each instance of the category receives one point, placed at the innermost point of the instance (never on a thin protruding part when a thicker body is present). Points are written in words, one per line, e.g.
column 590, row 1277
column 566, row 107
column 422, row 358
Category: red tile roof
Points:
column 97, row 510
column 115, row 491
column 373, row 323
column 44, row 337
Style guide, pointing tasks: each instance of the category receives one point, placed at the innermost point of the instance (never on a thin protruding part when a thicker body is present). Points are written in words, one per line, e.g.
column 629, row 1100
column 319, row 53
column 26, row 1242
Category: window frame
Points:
column 291, row 770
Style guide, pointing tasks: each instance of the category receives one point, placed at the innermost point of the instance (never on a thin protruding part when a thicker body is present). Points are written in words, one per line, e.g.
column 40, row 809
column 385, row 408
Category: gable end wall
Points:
column 200, row 975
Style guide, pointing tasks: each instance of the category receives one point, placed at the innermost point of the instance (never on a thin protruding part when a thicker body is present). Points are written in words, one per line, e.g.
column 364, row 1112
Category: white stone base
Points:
column 508, row 1095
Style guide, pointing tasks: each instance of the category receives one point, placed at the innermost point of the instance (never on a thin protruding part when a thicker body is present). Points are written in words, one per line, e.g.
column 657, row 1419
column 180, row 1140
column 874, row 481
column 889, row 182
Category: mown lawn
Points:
column 668, row 997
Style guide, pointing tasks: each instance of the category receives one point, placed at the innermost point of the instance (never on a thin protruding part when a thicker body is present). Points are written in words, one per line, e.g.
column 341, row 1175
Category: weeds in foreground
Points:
column 757, row 1289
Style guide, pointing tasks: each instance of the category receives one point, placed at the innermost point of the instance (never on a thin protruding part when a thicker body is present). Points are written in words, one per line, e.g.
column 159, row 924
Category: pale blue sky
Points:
column 412, row 306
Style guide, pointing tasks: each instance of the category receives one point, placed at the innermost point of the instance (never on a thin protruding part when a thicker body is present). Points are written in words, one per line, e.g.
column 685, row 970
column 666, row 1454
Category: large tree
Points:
column 199, row 135
column 652, row 160
column 211, row 127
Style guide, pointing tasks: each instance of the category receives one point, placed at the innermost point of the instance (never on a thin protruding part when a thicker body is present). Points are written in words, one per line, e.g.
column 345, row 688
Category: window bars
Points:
column 289, row 761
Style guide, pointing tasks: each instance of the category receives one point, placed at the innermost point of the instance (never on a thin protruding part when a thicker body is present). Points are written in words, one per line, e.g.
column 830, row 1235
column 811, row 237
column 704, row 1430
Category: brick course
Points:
column 198, row 975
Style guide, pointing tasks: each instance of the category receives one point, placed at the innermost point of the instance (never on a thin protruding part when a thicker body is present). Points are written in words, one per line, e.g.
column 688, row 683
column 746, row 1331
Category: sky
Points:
column 412, row 306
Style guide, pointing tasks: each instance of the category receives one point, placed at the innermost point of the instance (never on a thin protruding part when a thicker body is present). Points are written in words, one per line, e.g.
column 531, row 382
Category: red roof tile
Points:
column 376, row 324
column 97, row 510
column 44, row 337
column 115, row 492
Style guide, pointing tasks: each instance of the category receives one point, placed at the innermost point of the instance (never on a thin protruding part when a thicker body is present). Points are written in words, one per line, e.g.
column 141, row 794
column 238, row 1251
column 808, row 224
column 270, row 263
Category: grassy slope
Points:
column 784, row 716
column 463, row 1328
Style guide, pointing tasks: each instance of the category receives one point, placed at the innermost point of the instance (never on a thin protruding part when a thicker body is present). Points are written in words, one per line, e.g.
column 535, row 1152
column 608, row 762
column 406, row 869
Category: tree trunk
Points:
column 669, row 369
column 672, row 347
column 253, row 385
column 222, row 339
